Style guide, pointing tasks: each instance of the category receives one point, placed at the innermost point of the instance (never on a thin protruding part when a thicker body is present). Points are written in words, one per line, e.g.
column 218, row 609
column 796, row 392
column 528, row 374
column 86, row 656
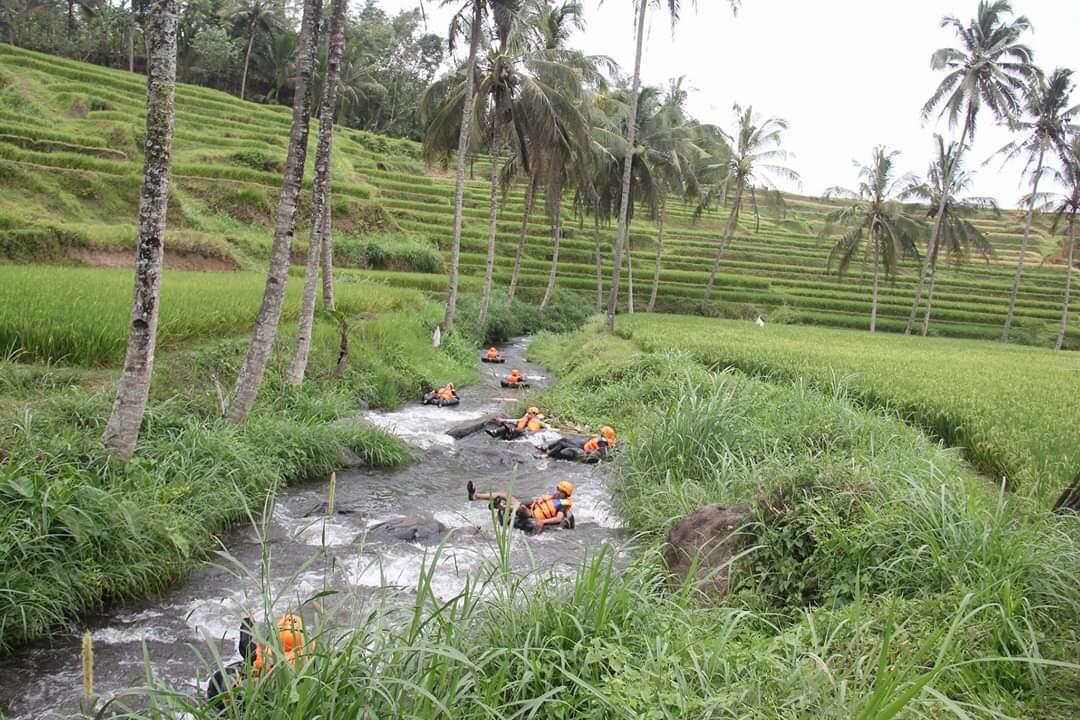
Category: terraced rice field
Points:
column 70, row 164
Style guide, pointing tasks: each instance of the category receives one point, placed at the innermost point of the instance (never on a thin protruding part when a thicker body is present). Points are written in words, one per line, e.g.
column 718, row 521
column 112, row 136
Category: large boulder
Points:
column 706, row 540
column 410, row 528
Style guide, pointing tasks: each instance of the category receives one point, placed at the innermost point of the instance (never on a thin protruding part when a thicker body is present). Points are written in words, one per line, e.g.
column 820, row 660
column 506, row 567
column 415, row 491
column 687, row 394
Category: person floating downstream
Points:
column 511, row 428
column 514, row 380
column 446, row 395
column 588, row 450
column 553, row 509
column 258, row 658
column 493, row 356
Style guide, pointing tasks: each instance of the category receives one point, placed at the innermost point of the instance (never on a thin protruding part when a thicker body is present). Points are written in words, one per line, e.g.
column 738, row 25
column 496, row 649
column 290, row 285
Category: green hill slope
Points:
column 70, row 162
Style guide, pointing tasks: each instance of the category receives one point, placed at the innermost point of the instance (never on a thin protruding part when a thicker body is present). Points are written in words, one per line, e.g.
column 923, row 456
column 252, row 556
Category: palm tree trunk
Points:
column 131, row 48
column 462, row 158
column 659, row 249
column 327, row 255
column 1023, row 248
column 729, row 230
column 556, row 238
column 132, row 391
column 931, row 249
column 930, row 293
column 247, row 59
column 266, row 326
column 628, row 157
column 873, row 301
column 321, row 193
column 629, row 280
column 530, row 199
column 599, row 269
column 1068, row 284
column 493, row 212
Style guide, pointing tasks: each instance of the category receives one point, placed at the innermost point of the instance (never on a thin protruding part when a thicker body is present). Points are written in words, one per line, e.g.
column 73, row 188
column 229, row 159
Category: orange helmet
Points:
column 492, row 350
column 565, row 487
column 515, row 371
column 533, row 411
column 609, row 434
column 291, row 632
column 450, row 386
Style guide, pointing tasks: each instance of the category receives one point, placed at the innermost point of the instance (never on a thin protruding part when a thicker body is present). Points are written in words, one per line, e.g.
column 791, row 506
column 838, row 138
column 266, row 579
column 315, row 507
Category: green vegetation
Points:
column 63, row 206
column 78, row 527
column 883, row 577
column 1010, row 410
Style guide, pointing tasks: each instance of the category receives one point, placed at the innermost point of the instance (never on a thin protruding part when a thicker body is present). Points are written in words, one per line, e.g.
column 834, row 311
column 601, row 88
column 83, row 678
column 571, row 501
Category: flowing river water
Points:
column 294, row 550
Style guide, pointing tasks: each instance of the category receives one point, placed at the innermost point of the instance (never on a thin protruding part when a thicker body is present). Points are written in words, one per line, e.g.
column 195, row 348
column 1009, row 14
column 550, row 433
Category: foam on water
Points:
column 423, row 426
column 320, row 531
column 401, row 569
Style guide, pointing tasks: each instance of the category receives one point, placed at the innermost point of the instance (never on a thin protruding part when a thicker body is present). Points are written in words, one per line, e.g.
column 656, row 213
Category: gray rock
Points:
column 709, row 536
column 348, row 459
column 411, row 528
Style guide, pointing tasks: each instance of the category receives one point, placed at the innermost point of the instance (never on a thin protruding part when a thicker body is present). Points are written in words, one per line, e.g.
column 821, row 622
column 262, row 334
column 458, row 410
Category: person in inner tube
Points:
column 587, row 450
column 492, row 354
column 258, row 658
column 515, row 377
column 511, row 428
column 553, row 509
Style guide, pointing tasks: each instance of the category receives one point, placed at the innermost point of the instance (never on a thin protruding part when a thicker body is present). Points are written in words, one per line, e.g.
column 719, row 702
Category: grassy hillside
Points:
column 70, row 162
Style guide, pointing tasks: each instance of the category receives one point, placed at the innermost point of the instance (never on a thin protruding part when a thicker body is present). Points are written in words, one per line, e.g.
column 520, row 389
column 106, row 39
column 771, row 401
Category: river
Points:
column 292, row 550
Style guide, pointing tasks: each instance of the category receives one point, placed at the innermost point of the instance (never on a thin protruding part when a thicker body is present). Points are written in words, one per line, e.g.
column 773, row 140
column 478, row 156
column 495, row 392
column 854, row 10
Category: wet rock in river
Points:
column 710, row 537
column 410, row 528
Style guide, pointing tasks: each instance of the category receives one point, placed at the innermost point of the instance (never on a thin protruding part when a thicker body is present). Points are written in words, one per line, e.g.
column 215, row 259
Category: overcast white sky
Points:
column 846, row 74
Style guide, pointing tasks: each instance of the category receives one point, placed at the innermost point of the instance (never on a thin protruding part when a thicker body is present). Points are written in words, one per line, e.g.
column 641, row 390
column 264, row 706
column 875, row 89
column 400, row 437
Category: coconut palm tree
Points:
column 754, row 160
column 670, row 136
column 471, row 13
column 1065, row 207
column 132, row 391
column 1047, row 126
column 266, row 325
column 320, row 191
column 674, row 7
column 946, row 181
column 875, row 220
column 991, row 67
column 256, row 16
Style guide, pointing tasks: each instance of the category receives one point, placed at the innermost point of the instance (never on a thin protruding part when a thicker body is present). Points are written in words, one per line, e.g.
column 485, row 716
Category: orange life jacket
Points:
column 514, row 378
column 592, row 445
column 526, row 421
column 548, row 506
column 292, row 646
column 535, row 425
column 445, row 393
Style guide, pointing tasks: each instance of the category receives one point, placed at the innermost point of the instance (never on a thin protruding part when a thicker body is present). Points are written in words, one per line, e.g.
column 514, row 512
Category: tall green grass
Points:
column 1010, row 410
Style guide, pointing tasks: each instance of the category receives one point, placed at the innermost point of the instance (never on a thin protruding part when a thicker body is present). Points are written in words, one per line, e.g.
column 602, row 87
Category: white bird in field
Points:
column 759, row 321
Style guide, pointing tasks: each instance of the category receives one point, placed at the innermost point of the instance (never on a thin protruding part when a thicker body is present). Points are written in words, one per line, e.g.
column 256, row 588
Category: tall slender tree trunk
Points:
column 659, row 249
column 874, row 297
column 247, row 59
column 931, row 250
column 629, row 280
column 628, row 157
column 493, row 215
column 530, row 199
column 327, row 254
column 930, row 292
column 1068, row 284
column 1023, row 248
column 462, row 158
column 729, row 230
column 266, row 325
column 122, row 430
column 599, row 269
column 556, row 239
column 131, row 49
column 320, row 191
